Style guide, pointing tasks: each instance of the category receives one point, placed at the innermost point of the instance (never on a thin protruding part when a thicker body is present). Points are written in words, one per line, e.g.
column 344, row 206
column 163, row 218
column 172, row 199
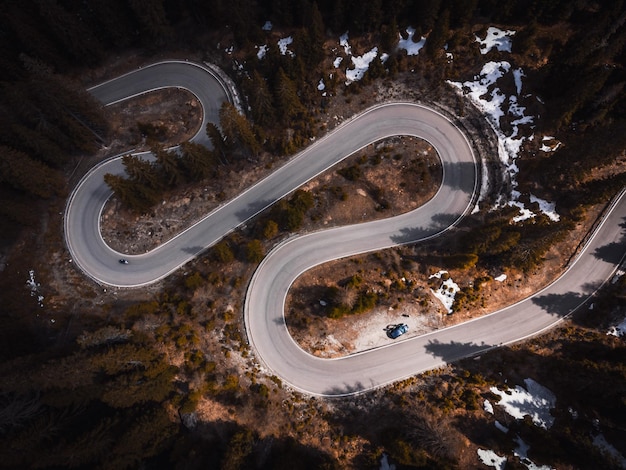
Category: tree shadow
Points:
column 253, row 209
column 564, row 304
column 412, row 234
column 193, row 250
column 560, row 304
column 316, row 300
column 280, row 320
column 437, row 223
column 613, row 252
column 346, row 389
column 453, row 351
column 441, row 221
column 456, row 176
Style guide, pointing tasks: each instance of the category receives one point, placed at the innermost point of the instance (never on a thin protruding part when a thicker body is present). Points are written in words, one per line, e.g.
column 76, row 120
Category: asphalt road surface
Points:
column 264, row 314
column 264, row 306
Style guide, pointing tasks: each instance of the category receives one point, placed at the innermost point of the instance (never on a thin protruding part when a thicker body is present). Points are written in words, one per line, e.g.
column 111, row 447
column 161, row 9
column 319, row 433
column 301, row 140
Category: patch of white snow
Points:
column 535, row 401
column 548, row 208
column 283, row 44
column 361, row 64
column 619, row 330
column 343, row 42
column 488, row 97
column 446, row 292
column 337, row 62
column 267, row 26
column 517, row 75
column 320, row 85
column 33, row 286
column 262, row 51
column 497, row 38
column 500, row 278
column 488, row 407
column 491, row 459
column 411, row 47
column 552, row 146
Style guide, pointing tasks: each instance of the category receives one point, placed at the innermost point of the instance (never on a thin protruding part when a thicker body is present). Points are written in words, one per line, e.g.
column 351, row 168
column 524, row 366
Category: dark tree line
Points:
column 145, row 180
column 47, row 120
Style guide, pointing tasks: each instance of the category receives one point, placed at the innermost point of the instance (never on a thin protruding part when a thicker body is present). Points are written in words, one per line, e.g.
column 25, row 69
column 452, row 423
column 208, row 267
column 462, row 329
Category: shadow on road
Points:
column 614, row 251
column 563, row 304
column 457, row 176
column 253, row 209
column 193, row 250
column 454, row 351
column 438, row 223
column 346, row 389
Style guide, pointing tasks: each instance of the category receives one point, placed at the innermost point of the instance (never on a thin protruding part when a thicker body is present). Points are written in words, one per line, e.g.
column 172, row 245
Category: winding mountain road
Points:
column 264, row 305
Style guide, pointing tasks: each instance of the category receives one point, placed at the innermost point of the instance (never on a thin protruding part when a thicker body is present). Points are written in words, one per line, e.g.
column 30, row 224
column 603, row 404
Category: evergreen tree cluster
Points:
column 146, row 180
column 46, row 120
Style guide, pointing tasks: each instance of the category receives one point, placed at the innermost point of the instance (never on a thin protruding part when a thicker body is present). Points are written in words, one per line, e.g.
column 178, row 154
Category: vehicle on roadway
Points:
column 398, row 330
column 123, row 261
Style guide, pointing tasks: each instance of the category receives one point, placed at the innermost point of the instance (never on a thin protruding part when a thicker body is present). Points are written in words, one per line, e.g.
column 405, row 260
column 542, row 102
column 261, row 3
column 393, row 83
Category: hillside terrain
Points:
column 164, row 377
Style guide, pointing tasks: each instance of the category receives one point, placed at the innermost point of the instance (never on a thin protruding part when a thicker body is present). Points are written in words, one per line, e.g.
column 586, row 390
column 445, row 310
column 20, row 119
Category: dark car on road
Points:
column 398, row 330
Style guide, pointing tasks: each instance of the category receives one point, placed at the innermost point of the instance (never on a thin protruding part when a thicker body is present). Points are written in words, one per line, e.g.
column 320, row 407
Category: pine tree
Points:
column 75, row 38
column 287, row 101
column 141, row 171
column 260, row 100
column 199, row 162
column 255, row 251
column 439, row 35
column 20, row 171
column 219, row 146
column 135, row 196
column 168, row 166
column 155, row 27
column 237, row 131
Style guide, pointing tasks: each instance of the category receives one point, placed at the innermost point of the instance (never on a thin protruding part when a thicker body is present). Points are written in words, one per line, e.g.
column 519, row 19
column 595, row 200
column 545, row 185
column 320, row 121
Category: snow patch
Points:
column 517, row 76
column 283, row 46
column 618, row 330
column 491, row 459
column 409, row 45
column 262, row 51
column 488, row 407
column 361, row 64
column 552, row 144
column 497, row 38
column 321, row 86
column 500, row 278
column 535, row 401
column 488, row 97
column 34, row 286
column 446, row 292
column 343, row 42
column 267, row 26
column 548, row 208
column 337, row 62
